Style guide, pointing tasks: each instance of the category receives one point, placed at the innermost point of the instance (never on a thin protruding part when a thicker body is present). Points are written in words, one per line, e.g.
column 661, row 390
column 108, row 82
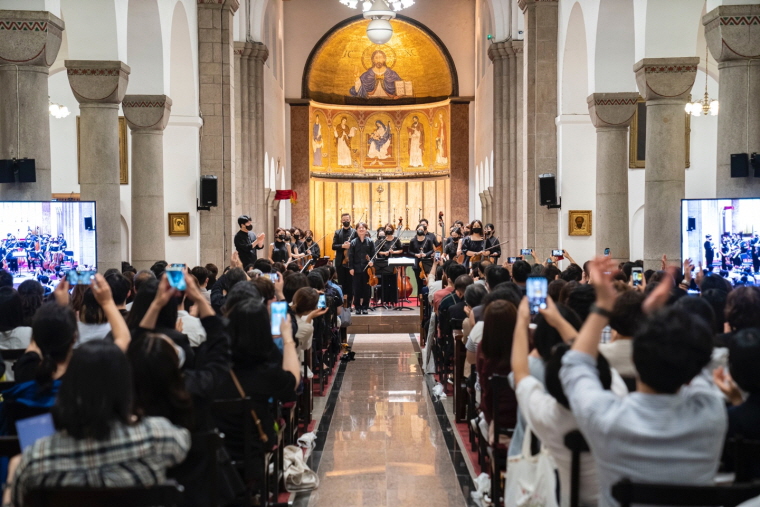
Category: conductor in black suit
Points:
column 709, row 252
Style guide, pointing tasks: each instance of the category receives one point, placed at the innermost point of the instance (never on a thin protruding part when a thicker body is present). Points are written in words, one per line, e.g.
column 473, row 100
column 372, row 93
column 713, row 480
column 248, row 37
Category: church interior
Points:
column 145, row 133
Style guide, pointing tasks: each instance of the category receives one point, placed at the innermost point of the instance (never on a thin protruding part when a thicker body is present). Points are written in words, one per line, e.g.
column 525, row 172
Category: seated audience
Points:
column 32, row 293
column 13, row 334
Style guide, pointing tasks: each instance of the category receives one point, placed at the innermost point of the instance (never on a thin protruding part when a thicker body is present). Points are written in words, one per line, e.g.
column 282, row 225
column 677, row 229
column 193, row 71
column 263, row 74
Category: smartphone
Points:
column 322, row 302
column 438, row 256
column 511, row 260
column 525, row 251
column 175, row 273
column 279, row 313
column 607, row 252
column 272, row 276
column 280, row 344
column 536, row 288
column 637, row 275
column 34, row 428
column 76, row 277
column 559, row 254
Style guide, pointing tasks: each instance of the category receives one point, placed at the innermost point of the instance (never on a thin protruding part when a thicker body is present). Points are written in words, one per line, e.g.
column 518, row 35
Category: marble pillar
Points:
column 29, row 44
column 611, row 114
column 99, row 86
column 733, row 37
column 665, row 83
column 498, row 54
column 217, row 151
column 147, row 117
column 540, row 131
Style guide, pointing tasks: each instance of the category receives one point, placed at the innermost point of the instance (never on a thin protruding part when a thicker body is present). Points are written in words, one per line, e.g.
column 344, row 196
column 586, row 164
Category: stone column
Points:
column 488, row 217
column 147, row 116
column 611, row 114
column 241, row 127
column 255, row 181
column 540, row 132
column 217, row 152
column 665, row 83
column 270, row 220
column 29, row 43
column 99, row 86
column 483, row 205
column 733, row 36
column 498, row 53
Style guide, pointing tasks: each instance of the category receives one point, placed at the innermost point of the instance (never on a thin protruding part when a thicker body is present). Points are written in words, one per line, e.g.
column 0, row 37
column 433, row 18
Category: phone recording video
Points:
column 536, row 288
column 76, row 277
column 175, row 273
column 525, row 251
column 637, row 276
column 438, row 256
column 607, row 252
column 279, row 313
column 272, row 276
column 511, row 260
column 322, row 302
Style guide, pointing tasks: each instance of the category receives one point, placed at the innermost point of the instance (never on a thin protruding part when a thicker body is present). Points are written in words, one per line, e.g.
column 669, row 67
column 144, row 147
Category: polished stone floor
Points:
column 384, row 443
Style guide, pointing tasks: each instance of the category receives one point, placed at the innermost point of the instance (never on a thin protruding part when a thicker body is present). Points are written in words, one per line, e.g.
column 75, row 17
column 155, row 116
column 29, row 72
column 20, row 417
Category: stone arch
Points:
column 667, row 29
column 145, row 48
column 93, row 32
column 124, row 227
column 575, row 87
column 615, row 47
column 637, row 233
column 182, row 77
column 501, row 11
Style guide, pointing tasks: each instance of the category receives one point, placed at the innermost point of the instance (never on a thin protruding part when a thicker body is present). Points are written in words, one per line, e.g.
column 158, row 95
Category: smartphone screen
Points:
column 279, row 313
column 606, row 251
column 511, row 260
column 322, row 301
column 76, row 277
column 175, row 273
column 525, row 251
column 536, row 287
column 272, row 276
column 637, row 276
column 557, row 253
column 438, row 256
column 34, row 428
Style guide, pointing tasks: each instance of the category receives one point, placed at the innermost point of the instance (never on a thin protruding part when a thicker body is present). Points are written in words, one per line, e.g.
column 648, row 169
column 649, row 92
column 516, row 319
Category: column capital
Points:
column 612, row 109
column 259, row 51
column 526, row 4
column 147, row 112
column 232, row 5
column 29, row 38
column 666, row 78
column 498, row 50
column 98, row 81
column 242, row 49
column 733, row 32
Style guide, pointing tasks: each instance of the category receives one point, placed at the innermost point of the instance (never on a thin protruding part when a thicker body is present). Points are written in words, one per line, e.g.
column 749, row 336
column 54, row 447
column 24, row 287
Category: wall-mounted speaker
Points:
column 88, row 224
column 18, row 170
column 739, row 165
column 692, row 224
column 208, row 191
column 547, row 185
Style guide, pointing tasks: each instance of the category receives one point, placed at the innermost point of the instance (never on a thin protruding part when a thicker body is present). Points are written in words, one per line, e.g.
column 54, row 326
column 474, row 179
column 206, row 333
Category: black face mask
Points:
column 248, row 227
column 297, row 236
column 477, row 230
column 389, row 232
column 346, row 224
column 454, row 238
column 281, row 238
column 420, row 232
column 309, row 239
column 489, row 233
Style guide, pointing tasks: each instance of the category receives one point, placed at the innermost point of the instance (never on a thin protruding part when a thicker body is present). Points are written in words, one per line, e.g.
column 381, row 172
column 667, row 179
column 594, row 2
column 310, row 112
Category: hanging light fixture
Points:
column 366, row 5
column 57, row 110
column 379, row 29
column 706, row 105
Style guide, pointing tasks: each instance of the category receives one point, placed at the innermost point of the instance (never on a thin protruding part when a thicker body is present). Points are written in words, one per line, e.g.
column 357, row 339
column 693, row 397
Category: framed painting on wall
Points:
column 579, row 222
column 179, row 224
column 637, row 137
column 123, row 152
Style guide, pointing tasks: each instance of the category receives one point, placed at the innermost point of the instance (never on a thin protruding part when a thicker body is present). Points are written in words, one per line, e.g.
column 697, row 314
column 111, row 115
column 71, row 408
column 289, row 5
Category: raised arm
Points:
column 520, row 366
column 601, row 270
column 163, row 295
column 102, row 292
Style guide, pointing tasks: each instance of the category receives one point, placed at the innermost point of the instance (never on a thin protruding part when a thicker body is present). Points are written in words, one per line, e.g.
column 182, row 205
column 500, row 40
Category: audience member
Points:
column 625, row 320
column 202, row 275
column 32, row 293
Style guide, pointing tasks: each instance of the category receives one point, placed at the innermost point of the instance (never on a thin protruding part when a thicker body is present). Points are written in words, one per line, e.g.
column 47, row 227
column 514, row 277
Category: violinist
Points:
column 297, row 247
column 433, row 238
column 452, row 243
column 360, row 252
column 421, row 247
column 473, row 244
column 388, row 280
column 341, row 242
column 279, row 251
column 312, row 249
column 492, row 243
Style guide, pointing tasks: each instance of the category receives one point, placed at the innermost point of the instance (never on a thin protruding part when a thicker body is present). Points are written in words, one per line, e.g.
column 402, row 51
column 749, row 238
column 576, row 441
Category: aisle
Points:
column 384, row 444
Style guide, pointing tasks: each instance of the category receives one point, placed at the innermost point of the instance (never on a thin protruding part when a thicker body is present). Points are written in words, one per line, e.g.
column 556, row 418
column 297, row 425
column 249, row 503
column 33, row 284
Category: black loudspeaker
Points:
column 739, row 165
column 692, row 224
column 88, row 225
column 208, row 191
column 21, row 170
column 547, row 190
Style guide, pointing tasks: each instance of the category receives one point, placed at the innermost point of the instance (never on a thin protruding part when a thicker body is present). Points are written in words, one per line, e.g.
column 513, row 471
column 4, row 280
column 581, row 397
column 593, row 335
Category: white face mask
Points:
column 180, row 355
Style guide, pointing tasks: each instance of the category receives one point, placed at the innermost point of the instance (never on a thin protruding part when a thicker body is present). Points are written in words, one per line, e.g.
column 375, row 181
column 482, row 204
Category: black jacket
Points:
column 341, row 236
column 359, row 253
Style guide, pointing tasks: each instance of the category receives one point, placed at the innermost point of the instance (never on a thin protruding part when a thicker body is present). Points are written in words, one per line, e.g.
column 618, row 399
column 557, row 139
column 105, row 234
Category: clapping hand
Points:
column 61, row 292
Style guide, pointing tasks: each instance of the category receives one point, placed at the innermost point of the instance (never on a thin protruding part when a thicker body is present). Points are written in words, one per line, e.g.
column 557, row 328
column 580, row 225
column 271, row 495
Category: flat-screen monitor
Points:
column 722, row 235
column 40, row 240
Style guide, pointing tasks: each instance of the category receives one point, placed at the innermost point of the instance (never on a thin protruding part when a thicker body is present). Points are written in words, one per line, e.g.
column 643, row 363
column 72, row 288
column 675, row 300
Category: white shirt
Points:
column 192, row 327
column 89, row 332
column 619, row 353
column 433, row 288
column 17, row 338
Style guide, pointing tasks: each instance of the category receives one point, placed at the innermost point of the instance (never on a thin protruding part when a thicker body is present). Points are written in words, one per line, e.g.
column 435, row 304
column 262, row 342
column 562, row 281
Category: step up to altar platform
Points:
column 384, row 321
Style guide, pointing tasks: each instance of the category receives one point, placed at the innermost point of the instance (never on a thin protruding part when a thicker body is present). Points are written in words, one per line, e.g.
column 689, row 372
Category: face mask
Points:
column 389, row 232
column 281, row 238
column 477, row 230
column 488, row 233
column 309, row 239
column 248, row 227
column 420, row 232
column 287, row 238
column 454, row 238
column 297, row 236
column 346, row 224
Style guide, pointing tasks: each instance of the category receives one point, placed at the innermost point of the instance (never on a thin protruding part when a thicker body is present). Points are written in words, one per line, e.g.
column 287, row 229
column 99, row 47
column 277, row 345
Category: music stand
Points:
column 401, row 263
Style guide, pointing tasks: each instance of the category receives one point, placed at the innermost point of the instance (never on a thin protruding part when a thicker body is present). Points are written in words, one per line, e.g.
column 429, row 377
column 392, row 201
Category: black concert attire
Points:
column 495, row 251
column 472, row 245
column 253, row 236
column 313, row 250
column 709, row 254
column 280, row 251
column 450, row 249
column 388, row 279
column 754, row 244
column 421, row 246
column 724, row 249
column 344, row 277
column 359, row 255
column 244, row 248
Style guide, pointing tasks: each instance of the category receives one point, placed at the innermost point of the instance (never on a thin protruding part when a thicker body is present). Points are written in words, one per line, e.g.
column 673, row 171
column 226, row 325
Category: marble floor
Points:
column 384, row 441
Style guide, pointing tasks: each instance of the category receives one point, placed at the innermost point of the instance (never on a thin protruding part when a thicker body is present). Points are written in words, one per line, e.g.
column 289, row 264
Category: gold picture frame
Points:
column 179, row 224
column 637, row 137
column 579, row 222
column 123, row 152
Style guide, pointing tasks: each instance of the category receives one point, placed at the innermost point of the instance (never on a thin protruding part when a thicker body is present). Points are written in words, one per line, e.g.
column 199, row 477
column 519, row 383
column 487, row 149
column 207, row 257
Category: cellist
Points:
column 422, row 249
column 360, row 253
column 388, row 280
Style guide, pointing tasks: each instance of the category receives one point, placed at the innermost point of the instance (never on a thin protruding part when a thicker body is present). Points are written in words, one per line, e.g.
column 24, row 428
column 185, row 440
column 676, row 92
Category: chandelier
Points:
column 57, row 110
column 366, row 5
column 705, row 105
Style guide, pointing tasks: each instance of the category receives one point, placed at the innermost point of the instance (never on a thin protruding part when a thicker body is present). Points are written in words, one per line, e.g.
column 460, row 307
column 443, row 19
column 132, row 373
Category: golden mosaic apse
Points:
column 349, row 69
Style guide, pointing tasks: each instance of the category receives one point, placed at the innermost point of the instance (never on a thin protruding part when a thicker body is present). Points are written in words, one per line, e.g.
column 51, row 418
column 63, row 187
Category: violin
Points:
column 373, row 281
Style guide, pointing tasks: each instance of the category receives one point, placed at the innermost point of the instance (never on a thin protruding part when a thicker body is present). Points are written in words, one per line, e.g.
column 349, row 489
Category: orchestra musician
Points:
column 472, row 244
column 709, row 252
column 297, row 246
column 360, row 252
column 421, row 247
column 725, row 247
column 754, row 244
column 311, row 248
column 492, row 243
column 431, row 235
column 452, row 243
column 388, row 280
column 279, row 251
column 341, row 241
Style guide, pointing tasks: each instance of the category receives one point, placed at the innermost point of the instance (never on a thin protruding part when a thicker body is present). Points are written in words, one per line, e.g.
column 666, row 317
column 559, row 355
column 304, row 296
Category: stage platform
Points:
column 383, row 321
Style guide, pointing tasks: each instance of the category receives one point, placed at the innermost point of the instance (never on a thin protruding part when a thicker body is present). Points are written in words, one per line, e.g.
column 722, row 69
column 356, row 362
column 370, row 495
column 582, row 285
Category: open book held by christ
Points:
column 404, row 89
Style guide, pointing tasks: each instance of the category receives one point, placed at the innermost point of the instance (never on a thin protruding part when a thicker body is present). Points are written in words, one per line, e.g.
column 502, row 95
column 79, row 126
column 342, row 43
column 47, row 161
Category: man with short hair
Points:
column 140, row 278
column 453, row 272
column 6, row 279
column 245, row 245
column 495, row 275
column 521, row 270
column 201, row 274
column 341, row 241
column 120, row 290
